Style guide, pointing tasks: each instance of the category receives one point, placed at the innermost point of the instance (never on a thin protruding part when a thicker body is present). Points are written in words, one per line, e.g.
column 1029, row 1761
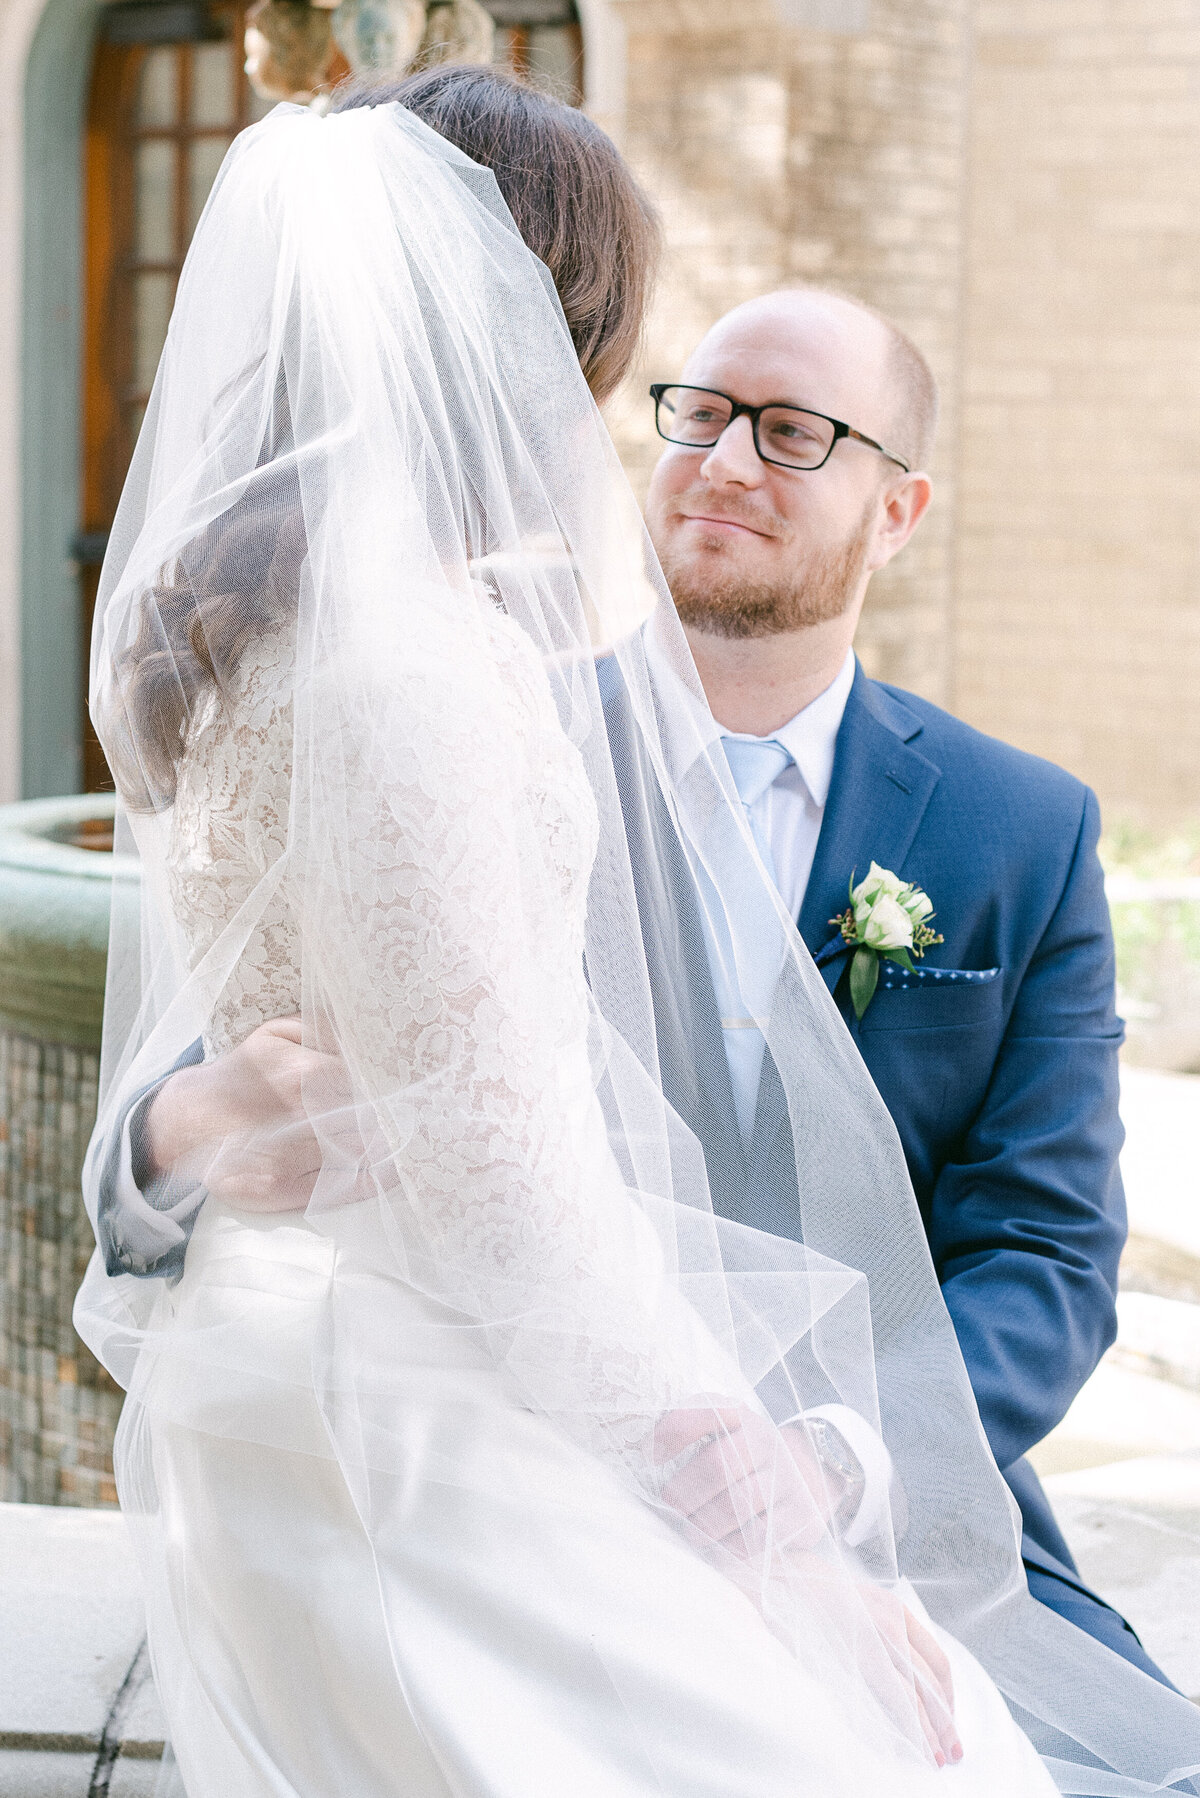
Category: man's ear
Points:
column 905, row 503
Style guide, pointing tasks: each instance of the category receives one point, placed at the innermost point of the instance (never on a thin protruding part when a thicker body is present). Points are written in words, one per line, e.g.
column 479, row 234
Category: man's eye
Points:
column 701, row 415
column 793, row 432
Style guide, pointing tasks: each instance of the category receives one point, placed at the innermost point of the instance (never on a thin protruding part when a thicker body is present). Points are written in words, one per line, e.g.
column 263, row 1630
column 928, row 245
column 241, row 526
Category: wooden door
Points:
column 542, row 40
column 168, row 95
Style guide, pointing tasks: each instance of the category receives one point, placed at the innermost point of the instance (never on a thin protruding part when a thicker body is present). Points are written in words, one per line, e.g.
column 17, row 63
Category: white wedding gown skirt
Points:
column 492, row 1615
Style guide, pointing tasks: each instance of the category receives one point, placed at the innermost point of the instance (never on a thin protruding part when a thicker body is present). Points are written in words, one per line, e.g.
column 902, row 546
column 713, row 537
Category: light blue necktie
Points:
column 744, row 996
column 756, row 764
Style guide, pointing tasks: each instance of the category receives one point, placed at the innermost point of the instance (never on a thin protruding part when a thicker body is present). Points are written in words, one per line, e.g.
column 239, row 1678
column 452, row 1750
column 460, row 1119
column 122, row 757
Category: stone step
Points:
column 78, row 1709
column 1134, row 1529
column 33, row 1774
column 77, row 1702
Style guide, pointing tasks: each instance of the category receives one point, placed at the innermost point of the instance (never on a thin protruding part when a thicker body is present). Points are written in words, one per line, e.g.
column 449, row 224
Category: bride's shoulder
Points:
column 463, row 663
column 240, row 721
column 264, row 680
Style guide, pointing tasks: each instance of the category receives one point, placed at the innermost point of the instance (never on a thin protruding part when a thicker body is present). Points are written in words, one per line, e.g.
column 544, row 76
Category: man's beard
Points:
column 713, row 596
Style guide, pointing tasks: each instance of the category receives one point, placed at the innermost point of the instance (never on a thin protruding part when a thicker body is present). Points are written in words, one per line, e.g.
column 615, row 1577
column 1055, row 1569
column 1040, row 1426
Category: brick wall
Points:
column 1019, row 185
column 1077, row 617
column 875, row 205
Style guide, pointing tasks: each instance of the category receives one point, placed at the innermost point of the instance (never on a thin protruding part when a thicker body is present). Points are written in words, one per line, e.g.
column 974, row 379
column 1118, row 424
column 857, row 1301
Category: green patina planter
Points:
column 58, row 1408
column 56, row 874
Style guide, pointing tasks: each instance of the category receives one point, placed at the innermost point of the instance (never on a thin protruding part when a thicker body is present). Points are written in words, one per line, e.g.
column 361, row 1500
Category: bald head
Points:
column 833, row 352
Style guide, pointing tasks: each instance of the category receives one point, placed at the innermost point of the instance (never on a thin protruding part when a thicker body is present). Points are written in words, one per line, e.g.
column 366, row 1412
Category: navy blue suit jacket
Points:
column 997, row 1060
column 1004, row 1090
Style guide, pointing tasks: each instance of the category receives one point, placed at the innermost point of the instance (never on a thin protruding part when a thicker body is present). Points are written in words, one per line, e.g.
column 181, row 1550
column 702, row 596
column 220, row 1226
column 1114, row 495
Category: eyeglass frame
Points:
column 754, row 413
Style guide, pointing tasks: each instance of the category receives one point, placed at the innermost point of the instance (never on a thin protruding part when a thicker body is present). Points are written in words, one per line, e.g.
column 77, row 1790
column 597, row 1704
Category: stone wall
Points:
column 58, row 1406
column 1077, row 621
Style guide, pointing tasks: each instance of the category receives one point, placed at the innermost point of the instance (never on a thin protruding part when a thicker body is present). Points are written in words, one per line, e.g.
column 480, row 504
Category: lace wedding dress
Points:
column 494, row 1614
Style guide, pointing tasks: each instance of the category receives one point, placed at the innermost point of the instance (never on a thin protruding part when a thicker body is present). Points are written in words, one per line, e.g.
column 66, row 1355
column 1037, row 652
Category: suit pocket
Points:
column 934, row 999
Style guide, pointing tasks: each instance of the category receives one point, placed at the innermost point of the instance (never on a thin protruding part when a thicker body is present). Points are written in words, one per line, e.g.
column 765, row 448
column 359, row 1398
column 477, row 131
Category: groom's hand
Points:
column 732, row 1467
column 243, row 1124
column 749, row 1485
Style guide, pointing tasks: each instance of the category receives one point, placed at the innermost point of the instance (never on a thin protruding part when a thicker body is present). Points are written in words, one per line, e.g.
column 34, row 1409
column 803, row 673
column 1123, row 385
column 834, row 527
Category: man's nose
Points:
column 733, row 459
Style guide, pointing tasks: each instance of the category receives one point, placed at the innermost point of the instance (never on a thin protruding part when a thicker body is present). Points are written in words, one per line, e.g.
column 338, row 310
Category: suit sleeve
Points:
column 143, row 1220
column 1027, row 1226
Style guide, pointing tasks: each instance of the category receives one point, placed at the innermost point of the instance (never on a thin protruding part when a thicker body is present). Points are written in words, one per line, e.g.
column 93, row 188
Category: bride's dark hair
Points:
column 571, row 196
column 582, row 214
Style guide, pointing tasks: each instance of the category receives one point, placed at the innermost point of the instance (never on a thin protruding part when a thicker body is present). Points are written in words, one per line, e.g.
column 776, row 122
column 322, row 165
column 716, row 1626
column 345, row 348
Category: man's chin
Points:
column 734, row 614
column 731, row 591
column 731, row 627
column 743, row 611
column 721, row 565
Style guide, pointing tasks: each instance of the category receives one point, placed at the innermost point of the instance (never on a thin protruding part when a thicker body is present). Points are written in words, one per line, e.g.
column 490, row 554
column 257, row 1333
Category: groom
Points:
column 997, row 1058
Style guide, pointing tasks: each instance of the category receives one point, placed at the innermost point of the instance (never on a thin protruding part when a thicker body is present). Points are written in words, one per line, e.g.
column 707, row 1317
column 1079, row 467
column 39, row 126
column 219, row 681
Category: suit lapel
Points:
column 880, row 789
column 881, row 786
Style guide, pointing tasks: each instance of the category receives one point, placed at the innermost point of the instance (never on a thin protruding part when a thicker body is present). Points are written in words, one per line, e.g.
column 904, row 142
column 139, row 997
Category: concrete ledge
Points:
column 54, row 917
column 79, row 1716
column 33, row 1775
column 78, row 1712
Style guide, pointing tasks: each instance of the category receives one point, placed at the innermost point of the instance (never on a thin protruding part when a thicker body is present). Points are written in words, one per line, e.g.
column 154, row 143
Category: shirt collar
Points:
column 810, row 738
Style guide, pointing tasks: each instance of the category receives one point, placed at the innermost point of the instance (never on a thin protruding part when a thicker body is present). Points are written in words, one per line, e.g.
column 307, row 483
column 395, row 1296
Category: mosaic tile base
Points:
column 58, row 1407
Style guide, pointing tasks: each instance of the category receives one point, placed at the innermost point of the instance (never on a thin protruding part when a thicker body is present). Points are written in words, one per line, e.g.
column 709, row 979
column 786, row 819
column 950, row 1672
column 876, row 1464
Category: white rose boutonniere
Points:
column 885, row 918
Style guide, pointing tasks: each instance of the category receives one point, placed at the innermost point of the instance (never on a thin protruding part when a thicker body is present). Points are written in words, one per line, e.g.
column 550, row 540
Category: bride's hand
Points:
column 917, row 1656
column 243, row 1125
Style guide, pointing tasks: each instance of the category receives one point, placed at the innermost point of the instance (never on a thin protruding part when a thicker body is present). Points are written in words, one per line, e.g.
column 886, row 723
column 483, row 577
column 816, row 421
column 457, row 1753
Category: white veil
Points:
column 371, row 466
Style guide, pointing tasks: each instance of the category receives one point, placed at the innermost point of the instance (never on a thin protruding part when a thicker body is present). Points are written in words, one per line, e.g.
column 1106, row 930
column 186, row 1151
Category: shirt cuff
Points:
column 882, row 1492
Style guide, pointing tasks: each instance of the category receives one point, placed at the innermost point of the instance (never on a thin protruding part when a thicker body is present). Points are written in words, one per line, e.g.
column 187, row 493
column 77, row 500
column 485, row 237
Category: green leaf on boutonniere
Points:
column 864, row 977
column 886, row 917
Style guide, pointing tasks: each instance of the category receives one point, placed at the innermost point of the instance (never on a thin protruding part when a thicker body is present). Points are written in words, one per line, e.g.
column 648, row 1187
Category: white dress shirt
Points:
column 786, row 822
column 785, row 818
column 790, row 813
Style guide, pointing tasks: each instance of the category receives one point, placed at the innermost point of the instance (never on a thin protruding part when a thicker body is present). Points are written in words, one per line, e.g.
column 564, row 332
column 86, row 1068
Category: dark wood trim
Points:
column 112, row 402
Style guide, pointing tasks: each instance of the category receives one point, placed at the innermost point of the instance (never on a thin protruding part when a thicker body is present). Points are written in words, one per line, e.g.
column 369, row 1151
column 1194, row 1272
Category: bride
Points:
column 497, row 1471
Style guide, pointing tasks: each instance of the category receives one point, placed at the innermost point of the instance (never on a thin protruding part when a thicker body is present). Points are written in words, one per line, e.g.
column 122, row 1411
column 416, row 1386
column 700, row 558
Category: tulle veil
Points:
column 370, row 438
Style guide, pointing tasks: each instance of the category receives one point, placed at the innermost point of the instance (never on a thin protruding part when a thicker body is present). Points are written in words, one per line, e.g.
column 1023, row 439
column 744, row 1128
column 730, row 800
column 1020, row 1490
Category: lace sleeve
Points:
column 450, row 944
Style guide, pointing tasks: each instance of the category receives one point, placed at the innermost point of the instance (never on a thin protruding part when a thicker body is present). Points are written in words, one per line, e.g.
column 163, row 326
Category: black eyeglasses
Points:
column 795, row 437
